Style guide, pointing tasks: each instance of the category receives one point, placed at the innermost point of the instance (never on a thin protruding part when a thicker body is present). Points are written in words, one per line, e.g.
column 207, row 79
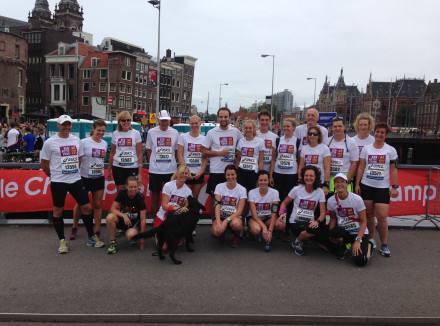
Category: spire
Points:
column 342, row 71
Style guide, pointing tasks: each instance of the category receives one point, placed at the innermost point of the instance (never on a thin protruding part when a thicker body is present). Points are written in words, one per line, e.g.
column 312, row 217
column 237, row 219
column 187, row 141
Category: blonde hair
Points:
column 291, row 120
column 364, row 116
column 97, row 123
column 122, row 115
column 254, row 133
column 181, row 169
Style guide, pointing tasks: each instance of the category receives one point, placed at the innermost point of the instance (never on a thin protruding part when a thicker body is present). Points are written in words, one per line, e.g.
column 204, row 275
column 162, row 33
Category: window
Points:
column 129, row 88
column 95, row 62
column 142, row 67
column 2, row 46
column 70, row 93
column 17, row 51
column 103, row 73
column 52, row 70
column 138, row 65
column 145, row 80
column 172, row 96
column 185, row 83
column 127, row 61
column 21, row 104
column 128, row 75
column 121, row 101
column 174, row 82
column 150, row 94
column 136, row 91
column 149, row 107
column 122, row 87
column 85, row 100
column 112, row 87
column 64, row 92
column 144, row 106
column 135, row 103
column 20, row 77
column 137, row 79
column 86, row 87
column 177, row 97
column 56, row 92
column 178, row 83
column 128, row 102
column 189, row 95
column 184, row 95
column 61, row 70
column 102, row 87
column 190, row 71
column 86, row 74
column 71, row 74
column 189, row 82
column 145, row 93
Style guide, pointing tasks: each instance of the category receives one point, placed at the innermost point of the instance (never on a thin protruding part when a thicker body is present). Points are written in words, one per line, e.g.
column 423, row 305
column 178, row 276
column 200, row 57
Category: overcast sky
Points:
column 392, row 38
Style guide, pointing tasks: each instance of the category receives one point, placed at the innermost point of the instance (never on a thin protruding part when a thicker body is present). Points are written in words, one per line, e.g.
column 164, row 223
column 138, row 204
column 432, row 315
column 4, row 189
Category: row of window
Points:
column 32, row 37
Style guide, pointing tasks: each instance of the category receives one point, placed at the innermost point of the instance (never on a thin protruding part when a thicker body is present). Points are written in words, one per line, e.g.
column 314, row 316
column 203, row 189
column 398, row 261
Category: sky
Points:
column 316, row 38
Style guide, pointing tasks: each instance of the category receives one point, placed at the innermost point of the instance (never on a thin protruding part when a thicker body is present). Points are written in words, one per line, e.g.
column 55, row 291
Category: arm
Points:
column 356, row 249
column 148, row 154
column 300, row 167
column 239, row 210
column 179, row 155
column 255, row 217
column 273, row 220
column 116, row 209
column 260, row 161
column 327, row 164
column 202, row 169
column 165, row 201
column 360, row 172
column 143, row 220
column 352, row 170
column 321, row 218
column 110, row 162
column 208, row 153
column 283, row 206
column 237, row 158
column 140, row 161
column 272, row 166
column 333, row 219
column 221, row 225
column 393, row 174
column 45, row 167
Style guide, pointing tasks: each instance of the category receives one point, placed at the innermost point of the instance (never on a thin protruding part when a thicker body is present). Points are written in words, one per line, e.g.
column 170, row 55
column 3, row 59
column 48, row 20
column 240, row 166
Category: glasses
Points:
column 313, row 134
column 125, row 120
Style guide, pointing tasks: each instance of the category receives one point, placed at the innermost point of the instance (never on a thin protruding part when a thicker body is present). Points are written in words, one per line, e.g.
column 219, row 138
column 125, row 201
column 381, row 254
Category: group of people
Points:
column 256, row 179
column 22, row 138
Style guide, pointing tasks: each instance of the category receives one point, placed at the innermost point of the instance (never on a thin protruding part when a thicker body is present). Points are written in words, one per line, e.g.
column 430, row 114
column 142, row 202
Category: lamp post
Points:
column 314, row 93
column 156, row 4
column 108, row 114
column 273, row 73
column 220, row 95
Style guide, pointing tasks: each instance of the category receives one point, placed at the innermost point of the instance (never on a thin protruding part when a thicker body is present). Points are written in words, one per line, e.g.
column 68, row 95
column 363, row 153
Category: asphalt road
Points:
column 216, row 282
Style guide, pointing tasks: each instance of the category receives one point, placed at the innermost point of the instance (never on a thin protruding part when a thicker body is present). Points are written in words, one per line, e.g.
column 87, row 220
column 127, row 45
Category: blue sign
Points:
column 325, row 118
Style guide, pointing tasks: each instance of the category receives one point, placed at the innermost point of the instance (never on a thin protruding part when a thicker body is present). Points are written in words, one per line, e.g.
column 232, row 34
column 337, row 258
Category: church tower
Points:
column 68, row 16
column 41, row 15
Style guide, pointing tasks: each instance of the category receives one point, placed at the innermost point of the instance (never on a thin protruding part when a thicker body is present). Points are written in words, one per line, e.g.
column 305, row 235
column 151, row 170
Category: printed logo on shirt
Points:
column 267, row 143
column 311, row 159
column 194, row 147
column 376, row 159
column 247, row 151
column 68, row 150
column 226, row 141
column 346, row 211
column 97, row 152
column 164, row 141
column 285, row 148
column 337, row 152
column 305, row 141
column 125, row 142
column 262, row 206
column 177, row 200
column 307, row 204
column 229, row 201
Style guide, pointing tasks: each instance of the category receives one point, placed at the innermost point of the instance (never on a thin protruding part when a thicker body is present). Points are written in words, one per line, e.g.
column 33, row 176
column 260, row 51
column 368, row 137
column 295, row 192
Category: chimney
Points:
column 435, row 80
column 168, row 53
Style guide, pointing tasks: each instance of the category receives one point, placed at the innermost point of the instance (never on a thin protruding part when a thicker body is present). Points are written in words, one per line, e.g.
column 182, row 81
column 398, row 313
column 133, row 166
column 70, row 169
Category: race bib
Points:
column 126, row 158
column 376, row 167
column 285, row 161
column 305, row 215
column 96, row 170
column 263, row 210
column 349, row 225
column 230, row 157
column 226, row 211
column 69, row 159
column 336, row 166
column 311, row 159
column 267, row 158
column 194, row 155
column 228, row 206
column 248, row 161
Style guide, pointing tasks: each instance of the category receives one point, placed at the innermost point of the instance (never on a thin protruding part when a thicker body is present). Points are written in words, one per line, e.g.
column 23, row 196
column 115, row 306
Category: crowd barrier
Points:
column 29, row 191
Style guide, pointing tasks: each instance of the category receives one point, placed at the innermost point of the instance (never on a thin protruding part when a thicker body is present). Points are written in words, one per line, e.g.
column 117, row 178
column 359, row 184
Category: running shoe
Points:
column 74, row 234
column 98, row 234
column 348, row 246
column 95, row 242
column 385, row 250
column 63, row 247
column 373, row 243
column 119, row 233
column 133, row 242
column 341, row 251
column 235, row 241
column 298, row 247
column 112, row 248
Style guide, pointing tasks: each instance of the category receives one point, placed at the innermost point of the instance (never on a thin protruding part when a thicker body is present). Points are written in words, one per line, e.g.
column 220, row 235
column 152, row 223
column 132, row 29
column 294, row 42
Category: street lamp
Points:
column 273, row 72
column 220, row 95
column 314, row 93
column 108, row 114
column 156, row 4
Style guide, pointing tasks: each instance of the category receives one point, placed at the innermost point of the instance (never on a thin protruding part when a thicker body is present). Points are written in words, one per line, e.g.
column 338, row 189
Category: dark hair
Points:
column 319, row 132
column 13, row 124
column 131, row 178
column 262, row 172
column 98, row 123
column 317, row 182
column 264, row 112
column 226, row 109
column 28, row 129
column 231, row 167
column 335, row 119
column 382, row 125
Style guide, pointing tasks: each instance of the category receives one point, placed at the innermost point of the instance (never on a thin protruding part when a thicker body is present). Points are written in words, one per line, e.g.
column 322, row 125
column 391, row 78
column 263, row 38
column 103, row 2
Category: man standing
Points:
column 12, row 138
column 28, row 140
column 269, row 139
column 60, row 160
column 312, row 117
column 161, row 148
column 219, row 145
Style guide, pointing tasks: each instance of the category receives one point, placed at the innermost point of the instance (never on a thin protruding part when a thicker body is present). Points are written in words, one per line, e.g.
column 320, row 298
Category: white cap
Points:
column 164, row 115
column 341, row 175
column 64, row 118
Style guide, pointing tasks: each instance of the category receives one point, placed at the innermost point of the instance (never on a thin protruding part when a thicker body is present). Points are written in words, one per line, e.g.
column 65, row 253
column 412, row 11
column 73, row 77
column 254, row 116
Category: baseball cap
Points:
column 164, row 115
column 341, row 175
column 63, row 118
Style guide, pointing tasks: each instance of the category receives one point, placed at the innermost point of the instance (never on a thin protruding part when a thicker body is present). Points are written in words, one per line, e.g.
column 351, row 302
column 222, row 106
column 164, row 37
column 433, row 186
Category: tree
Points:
column 213, row 117
column 405, row 116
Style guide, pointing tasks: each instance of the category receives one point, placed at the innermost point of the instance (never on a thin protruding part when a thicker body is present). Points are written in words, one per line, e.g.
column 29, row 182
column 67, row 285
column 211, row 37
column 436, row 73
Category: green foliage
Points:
column 405, row 116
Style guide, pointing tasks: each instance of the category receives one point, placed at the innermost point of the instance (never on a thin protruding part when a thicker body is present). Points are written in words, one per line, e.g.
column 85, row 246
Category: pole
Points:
column 314, row 94
column 207, row 105
column 220, row 97
column 158, row 65
column 271, row 97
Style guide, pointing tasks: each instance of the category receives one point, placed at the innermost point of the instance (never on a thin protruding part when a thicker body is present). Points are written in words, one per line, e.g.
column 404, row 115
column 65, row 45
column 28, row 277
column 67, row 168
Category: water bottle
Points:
column 267, row 247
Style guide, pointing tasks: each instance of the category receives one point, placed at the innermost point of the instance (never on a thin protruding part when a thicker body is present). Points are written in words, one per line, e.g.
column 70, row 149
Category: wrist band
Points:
column 228, row 219
column 281, row 211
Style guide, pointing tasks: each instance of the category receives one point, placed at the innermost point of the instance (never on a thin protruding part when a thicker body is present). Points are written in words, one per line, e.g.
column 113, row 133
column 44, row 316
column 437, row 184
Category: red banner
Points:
column 29, row 191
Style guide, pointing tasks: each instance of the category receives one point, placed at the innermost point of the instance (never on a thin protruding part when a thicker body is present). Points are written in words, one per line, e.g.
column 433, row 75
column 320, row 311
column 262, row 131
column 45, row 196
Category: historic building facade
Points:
column 427, row 113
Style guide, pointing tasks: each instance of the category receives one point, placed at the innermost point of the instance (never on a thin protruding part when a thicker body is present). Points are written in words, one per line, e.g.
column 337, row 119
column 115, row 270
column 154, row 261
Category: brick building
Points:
column 427, row 113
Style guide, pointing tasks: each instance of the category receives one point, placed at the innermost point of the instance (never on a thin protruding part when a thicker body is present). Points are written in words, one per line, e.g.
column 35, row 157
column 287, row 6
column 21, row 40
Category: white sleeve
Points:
column 354, row 150
column 243, row 193
column 292, row 193
column 331, row 204
column 393, row 153
column 363, row 153
column 360, row 205
column 176, row 139
column 149, row 142
column 181, row 140
column 207, row 142
column 137, row 138
column 81, row 149
column 45, row 151
column 326, row 151
column 251, row 196
column 276, row 196
column 114, row 138
column 167, row 188
column 321, row 195
column 217, row 190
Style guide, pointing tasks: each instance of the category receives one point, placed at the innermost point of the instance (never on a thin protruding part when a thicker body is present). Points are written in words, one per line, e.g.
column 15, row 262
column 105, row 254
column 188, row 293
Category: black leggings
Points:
column 284, row 183
column 338, row 232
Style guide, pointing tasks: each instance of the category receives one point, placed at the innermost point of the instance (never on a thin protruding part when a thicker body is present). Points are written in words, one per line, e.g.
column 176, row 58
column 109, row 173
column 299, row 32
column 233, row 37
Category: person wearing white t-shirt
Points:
column 318, row 154
column 308, row 215
column 363, row 125
column 219, row 146
column 312, row 117
column 229, row 201
column 348, row 223
column 161, row 148
column 12, row 138
column 189, row 153
column 126, row 158
column 344, row 154
column 61, row 160
column 264, row 202
column 377, row 164
column 269, row 139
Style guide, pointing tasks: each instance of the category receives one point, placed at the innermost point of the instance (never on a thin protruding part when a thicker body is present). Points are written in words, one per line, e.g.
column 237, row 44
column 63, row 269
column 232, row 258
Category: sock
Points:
column 88, row 223
column 58, row 224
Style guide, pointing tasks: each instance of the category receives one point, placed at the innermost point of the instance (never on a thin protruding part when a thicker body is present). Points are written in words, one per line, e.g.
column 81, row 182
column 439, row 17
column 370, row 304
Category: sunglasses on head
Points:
column 313, row 133
column 125, row 120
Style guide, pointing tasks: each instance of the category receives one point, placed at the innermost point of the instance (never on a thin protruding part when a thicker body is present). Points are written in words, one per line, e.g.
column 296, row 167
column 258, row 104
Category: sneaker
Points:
column 348, row 246
column 74, row 234
column 341, row 251
column 95, row 242
column 98, row 234
column 373, row 243
column 235, row 241
column 385, row 250
column 298, row 247
column 119, row 233
column 112, row 248
column 133, row 242
column 63, row 247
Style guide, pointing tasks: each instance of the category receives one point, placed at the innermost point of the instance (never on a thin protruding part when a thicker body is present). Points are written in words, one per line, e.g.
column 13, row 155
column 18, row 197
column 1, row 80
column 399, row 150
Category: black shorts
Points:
column 120, row 175
column 377, row 195
column 338, row 232
column 158, row 180
column 77, row 190
column 93, row 185
column 121, row 225
column 198, row 181
column 299, row 226
column 284, row 183
column 247, row 179
column 213, row 181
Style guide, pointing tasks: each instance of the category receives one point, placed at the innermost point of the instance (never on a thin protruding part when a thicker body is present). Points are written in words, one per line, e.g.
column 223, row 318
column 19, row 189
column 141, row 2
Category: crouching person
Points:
column 348, row 223
column 129, row 213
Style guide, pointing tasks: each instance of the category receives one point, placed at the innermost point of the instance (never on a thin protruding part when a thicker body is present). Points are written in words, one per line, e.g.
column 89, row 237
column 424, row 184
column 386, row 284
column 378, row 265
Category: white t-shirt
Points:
column 263, row 204
column 177, row 196
column 229, row 198
column 163, row 146
column 250, row 153
column 125, row 142
column 192, row 151
column 13, row 136
column 286, row 156
column 63, row 154
column 341, row 158
column 347, row 212
column 315, row 156
column 270, row 140
column 92, row 163
column 363, row 142
column 304, row 204
column 218, row 139
column 301, row 133
column 377, row 165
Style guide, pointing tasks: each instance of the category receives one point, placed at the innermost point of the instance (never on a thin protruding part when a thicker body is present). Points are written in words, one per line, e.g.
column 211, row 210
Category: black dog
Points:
column 175, row 226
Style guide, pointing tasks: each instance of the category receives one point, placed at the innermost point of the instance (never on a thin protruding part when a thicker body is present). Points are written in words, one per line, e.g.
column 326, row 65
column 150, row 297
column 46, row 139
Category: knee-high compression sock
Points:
column 58, row 224
column 88, row 223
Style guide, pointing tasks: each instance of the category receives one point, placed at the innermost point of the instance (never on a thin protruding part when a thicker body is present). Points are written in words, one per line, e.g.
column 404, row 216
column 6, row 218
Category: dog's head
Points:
column 194, row 205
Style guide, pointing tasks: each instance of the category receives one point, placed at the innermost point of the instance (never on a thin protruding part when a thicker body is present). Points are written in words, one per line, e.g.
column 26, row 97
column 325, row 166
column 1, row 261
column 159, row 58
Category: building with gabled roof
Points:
column 427, row 108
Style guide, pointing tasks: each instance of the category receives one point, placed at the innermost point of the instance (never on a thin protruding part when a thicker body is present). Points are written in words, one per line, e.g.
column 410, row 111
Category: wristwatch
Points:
column 395, row 186
column 358, row 239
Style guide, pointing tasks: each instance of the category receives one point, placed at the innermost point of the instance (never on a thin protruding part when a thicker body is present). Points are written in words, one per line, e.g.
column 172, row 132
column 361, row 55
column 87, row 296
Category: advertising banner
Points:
column 325, row 118
column 152, row 77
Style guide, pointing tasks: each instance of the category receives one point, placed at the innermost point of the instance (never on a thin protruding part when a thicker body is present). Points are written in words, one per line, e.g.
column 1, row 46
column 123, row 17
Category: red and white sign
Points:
column 110, row 100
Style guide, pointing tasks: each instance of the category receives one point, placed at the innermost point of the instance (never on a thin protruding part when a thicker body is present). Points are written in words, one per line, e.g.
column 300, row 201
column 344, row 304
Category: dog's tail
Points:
column 147, row 234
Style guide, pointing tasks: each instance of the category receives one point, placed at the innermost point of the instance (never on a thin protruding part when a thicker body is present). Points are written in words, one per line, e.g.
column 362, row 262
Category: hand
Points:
column 141, row 244
column 190, row 176
column 184, row 209
column 221, row 227
column 271, row 182
column 198, row 175
column 267, row 236
column 282, row 216
column 314, row 224
column 393, row 192
column 356, row 248
column 127, row 221
column 109, row 177
column 357, row 190
column 224, row 152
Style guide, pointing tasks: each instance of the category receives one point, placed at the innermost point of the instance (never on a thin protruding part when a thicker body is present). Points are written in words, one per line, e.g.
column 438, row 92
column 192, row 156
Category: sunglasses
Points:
column 313, row 133
column 125, row 120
